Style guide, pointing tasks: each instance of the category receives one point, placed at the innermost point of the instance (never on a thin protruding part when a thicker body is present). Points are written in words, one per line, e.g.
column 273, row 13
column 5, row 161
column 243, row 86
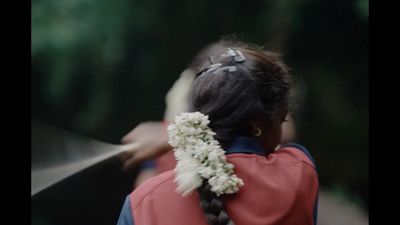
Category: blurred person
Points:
column 243, row 176
column 153, row 154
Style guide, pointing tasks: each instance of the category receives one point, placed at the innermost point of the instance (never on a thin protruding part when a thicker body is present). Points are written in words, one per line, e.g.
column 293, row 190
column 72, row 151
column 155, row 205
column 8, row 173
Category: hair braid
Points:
column 213, row 207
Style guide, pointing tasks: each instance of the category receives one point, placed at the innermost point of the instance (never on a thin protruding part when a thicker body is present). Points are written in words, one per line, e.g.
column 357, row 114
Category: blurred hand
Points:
column 151, row 140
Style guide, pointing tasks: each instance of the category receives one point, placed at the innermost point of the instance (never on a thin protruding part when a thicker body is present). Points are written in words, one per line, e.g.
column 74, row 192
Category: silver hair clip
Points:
column 209, row 69
column 213, row 67
column 228, row 68
column 211, row 59
column 216, row 68
column 236, row 54
column 239, row 57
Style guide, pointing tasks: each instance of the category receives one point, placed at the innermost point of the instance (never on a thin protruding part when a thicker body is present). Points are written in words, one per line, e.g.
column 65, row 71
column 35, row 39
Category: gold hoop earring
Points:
column 257, row 132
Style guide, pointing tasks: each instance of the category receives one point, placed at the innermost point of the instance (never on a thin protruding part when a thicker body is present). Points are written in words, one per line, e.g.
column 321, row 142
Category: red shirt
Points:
column 280, row 188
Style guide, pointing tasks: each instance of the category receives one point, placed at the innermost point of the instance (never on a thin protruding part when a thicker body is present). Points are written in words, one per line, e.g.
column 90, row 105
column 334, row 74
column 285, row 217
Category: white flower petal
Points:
column 199, row 156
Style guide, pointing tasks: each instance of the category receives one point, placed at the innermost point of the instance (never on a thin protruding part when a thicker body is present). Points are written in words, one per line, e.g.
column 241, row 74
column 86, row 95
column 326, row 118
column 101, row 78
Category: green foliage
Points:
column 363, row 8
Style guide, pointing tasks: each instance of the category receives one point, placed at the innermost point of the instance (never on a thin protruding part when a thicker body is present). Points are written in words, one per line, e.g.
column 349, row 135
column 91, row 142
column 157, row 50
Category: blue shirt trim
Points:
column 304, row 150
column 126, row 217
column 148, row 164
column 245, row 145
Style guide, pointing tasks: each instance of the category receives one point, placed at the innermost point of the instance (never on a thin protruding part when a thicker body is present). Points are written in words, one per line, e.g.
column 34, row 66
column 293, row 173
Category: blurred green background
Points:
column 101, row 67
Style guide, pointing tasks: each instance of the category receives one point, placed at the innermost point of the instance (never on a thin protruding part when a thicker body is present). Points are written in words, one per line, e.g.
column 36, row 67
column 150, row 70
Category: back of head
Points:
column 238, row 84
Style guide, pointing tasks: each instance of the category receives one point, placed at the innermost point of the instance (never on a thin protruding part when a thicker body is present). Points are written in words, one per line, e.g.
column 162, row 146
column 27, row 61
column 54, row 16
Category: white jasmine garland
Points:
column 199, row 156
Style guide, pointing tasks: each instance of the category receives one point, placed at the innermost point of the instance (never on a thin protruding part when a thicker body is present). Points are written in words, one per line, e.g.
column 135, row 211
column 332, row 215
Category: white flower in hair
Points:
column 199, row 156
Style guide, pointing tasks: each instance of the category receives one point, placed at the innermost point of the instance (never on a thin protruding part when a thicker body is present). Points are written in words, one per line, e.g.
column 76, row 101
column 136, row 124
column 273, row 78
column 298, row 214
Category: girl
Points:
column 230, row 169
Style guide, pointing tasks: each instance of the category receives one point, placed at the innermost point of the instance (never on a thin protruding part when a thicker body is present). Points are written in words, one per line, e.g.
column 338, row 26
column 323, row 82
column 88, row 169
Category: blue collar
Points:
column 245, row 145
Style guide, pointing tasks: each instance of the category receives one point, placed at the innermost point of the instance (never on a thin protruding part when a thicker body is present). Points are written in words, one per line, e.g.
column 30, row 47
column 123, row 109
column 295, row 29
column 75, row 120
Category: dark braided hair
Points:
column 212, row 206
column 232, row 92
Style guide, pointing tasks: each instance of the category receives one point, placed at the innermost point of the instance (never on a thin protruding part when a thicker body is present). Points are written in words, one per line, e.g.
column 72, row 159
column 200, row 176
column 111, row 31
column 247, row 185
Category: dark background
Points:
column 100, row 67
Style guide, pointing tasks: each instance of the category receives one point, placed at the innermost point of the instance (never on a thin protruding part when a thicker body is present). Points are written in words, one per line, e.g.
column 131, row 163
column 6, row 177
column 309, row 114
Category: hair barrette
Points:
column 236, row 54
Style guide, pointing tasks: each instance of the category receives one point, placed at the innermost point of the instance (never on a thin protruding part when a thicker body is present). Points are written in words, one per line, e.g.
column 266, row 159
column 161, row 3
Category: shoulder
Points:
column 297, row 152
column 161, row 182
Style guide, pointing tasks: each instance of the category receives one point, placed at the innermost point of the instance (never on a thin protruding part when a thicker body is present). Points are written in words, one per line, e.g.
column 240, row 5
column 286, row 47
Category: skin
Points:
column 271, row 135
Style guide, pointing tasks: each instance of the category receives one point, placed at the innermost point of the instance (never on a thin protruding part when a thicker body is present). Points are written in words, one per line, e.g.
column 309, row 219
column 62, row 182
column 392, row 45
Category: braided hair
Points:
column 212, row 206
